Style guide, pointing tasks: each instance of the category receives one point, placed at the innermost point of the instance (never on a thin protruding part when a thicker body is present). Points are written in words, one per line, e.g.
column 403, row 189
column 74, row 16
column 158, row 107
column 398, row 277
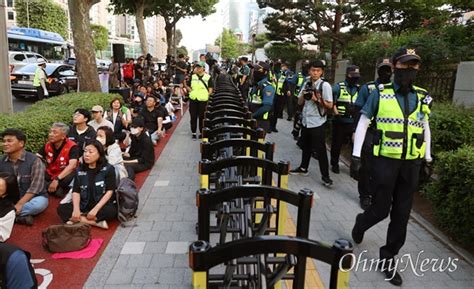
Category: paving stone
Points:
column 155, row 247
column 172, row 276
column 133, row 248
column 121, row 276
column 177, row 248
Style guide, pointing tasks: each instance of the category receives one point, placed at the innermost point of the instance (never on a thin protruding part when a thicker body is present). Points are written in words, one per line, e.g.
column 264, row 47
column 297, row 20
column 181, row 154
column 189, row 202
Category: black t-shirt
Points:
column 181, row 64
column 151, row 117
column 91, row 175
column 81, row 139
column 74, row 152
column 138, row 71
column 142, row 149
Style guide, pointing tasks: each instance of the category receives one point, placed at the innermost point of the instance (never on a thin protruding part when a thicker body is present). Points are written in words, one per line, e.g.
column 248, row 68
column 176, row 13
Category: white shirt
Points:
column 311, row 117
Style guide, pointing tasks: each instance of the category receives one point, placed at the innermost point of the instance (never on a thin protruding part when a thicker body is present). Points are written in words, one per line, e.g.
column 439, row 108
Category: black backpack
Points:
column 127, row 200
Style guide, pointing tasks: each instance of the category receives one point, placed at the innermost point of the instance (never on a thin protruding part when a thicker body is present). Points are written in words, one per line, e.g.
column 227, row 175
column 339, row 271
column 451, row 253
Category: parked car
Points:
column 18, row 59
column 61, row 79
column 102, row 64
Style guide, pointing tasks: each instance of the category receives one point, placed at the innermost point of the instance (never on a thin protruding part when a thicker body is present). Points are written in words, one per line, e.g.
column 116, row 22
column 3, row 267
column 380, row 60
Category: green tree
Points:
column 261, row 40
column 182, row 50
column 230, row 46
column 42, row 14
column 100, row 37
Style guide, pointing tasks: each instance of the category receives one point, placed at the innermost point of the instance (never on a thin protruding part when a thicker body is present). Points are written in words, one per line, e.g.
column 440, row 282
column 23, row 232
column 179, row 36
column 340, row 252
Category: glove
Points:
column 355, row 167
column 46, row 93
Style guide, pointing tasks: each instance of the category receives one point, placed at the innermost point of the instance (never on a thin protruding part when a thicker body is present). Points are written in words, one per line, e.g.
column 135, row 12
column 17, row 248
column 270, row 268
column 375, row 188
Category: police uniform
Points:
column 261, row 101
column 364, row 92
column 400, row 115
column 198, row 97
column 345, row 95
column 40, row 75
column 279, row 99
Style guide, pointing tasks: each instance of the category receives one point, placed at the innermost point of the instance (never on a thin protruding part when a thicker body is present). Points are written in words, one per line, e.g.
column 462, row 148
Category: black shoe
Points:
column 24, row 220
column 365, row 202
column 200, row 136
column 274, row 130
column 356, row 235
column 391, row 275
column 314, row 155
column 335, row 169
column 289, row 119
column 327, row 181
column 194, row 136
column 299, row 171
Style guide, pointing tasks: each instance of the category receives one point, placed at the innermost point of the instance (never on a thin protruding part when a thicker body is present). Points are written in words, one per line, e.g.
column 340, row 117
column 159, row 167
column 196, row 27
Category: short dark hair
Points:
column 109, row 135
column 181, row 56
column 19, row 134
column 102, row 161
column 115, row 99
column 316, row 63
column 84, row 112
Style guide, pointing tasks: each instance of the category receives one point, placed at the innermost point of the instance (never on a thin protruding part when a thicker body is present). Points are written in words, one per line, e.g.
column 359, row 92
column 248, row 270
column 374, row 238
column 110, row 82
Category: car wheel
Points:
column 62, row 90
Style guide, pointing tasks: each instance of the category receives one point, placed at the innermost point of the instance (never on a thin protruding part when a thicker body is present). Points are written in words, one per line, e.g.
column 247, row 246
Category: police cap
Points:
column 405, row 54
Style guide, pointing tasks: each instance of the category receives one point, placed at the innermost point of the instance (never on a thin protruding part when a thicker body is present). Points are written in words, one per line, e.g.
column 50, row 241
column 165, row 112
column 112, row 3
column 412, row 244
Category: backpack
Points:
column 127, row 200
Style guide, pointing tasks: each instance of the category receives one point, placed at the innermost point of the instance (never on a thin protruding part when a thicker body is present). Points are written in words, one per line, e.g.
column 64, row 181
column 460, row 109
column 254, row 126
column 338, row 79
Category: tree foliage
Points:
column 231, row 46
column 100, row 37
column 43, row 14
column 182, row 50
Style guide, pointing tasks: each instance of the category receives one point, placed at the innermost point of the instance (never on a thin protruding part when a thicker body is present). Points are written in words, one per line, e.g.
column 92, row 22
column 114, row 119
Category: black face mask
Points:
column 384, row 74
column 352, row 81
column 258, row 76
column 405, row 78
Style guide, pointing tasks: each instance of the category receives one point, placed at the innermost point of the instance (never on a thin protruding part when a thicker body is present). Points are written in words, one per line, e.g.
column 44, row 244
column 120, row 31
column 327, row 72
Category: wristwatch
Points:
column 57, row 178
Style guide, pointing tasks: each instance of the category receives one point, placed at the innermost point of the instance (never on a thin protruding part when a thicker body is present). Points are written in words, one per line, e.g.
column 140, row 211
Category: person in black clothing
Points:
column 139, row 69
column 80, row 131
column 93, row 193
column 141, row 155
column 153, row 116
column 181, row 70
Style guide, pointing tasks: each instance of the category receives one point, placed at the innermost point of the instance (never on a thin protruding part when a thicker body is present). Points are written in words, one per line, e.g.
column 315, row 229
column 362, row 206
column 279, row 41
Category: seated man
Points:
column 98, row 119
column 29, row 171
column 80, row 132
column 153, row 117
column 141, row 155
column 62, row 157
column 16, row 268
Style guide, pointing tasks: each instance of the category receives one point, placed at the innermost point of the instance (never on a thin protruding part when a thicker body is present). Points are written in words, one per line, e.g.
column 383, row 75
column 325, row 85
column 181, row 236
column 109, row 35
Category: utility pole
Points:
column 6, row 104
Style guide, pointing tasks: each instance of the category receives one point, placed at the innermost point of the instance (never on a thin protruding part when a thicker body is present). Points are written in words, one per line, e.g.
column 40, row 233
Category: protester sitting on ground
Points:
column 29, row 170
column 120, row 116
column 153, row 115
column 61, row 156
column 141, row 155
column 98, row 119
column 113, row 153
column 137, row 105
column 7, row 205
column 80, row 132
column 17, row 271
column 93, row 196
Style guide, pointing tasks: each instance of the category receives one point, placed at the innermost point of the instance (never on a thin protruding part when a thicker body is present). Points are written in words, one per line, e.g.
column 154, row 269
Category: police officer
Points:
column 39, row 81
column 261, row 95
column 345, row 95
column 200, row 86
column 402, row 139
column 280, row 95
column 316, row 98
column 384, row 72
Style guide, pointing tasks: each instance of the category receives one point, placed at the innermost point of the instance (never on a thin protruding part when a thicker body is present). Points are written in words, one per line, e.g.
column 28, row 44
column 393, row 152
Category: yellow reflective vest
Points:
column 199, row 91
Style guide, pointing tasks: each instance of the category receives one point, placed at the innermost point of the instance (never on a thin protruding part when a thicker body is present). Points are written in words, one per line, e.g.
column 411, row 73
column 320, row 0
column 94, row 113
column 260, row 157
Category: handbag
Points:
column 66, row 238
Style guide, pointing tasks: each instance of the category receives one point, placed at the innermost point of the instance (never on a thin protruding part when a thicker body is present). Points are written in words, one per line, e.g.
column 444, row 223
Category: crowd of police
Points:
column 385, row 120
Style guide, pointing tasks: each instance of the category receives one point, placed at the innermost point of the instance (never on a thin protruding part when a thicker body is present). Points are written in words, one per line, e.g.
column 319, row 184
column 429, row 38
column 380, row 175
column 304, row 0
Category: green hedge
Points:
column 451, row 127
column 452, row 193
column 36, row 120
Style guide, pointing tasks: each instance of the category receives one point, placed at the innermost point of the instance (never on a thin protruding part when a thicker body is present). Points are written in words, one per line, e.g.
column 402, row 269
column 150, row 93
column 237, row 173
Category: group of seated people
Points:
column 82, row 163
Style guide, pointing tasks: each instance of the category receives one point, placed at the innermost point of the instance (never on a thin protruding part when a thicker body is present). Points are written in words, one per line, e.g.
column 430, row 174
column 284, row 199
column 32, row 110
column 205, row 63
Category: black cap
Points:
column 404, row 55
column 137, row 122
column 263, row 65
column 384, row 62
column 86, row 113
column 353, row 71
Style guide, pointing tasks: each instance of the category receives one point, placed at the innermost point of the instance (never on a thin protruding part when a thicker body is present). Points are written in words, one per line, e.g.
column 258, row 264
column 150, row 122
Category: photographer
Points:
column 316, row 98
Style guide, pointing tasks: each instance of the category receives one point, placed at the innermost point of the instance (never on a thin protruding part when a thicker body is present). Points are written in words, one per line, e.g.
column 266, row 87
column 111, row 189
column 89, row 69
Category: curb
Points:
column 440, row 236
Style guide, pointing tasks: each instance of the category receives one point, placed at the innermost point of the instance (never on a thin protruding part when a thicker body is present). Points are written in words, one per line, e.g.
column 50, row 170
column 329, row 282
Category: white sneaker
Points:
column 102, row 224
column 67, row 198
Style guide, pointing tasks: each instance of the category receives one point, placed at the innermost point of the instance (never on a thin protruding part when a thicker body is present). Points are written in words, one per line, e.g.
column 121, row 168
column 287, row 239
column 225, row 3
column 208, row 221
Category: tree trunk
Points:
column 141, row 27
column 169, row 37
column 334, row 48
column 86, row 66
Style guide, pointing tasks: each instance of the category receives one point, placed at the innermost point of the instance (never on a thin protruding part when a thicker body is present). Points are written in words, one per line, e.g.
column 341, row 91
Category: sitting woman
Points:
column 120, row 116
column 113, row 153
column 93, row 197
column 9, row 195
column 141, row 155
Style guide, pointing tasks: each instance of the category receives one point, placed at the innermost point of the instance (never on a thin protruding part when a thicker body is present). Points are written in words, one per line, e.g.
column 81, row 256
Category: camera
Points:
column 308, row 91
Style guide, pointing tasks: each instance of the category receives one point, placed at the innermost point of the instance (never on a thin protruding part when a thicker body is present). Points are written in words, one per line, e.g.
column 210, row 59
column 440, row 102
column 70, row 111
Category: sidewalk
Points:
column 153, row 253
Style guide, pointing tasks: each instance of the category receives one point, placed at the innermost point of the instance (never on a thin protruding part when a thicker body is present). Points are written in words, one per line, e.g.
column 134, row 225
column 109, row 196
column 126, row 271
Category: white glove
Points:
column 46, row 93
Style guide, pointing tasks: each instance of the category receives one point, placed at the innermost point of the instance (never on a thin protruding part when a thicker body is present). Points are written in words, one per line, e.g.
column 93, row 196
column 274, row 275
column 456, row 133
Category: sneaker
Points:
column 194, row 136
column 365, row 202
column 289, row 119
column 299, row 171
column 356, row 235
column 327, row 181
column 335, row 169
column 24, row 220
column 391, row 275
column 102, row 224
